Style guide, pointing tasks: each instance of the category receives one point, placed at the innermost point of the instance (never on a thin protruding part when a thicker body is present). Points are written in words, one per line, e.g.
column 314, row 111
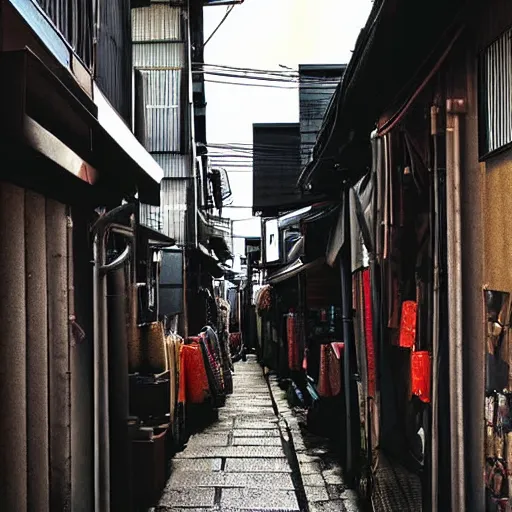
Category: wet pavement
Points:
column 318, row 463
column 255, row 457
column 238, row 463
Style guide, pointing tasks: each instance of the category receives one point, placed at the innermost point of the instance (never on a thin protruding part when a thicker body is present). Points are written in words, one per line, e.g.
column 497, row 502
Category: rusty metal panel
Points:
column 173, row 165
column 159, row 22
column 161, row 97
column 174, row 208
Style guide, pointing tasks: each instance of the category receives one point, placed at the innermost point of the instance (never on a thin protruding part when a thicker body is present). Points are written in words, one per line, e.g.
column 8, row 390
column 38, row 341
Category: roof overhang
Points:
column 393, row 56
column 82, row 152
column 155, row 238
column 293, row 269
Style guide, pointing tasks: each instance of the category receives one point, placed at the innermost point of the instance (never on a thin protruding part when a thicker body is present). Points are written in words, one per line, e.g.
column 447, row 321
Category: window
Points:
column 496, row 97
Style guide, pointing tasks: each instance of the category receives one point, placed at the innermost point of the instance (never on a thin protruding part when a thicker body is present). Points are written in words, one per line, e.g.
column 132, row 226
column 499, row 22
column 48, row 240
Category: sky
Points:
column 264, row 34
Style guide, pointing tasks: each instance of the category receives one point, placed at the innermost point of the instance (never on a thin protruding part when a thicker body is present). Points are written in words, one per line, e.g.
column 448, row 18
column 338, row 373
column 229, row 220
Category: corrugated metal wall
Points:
column 174, row 166
column 151, row 216
column 35, row 376
column 154, row 55
column 113, row 55
column 159, row 56
column 161, row 97
column 160, row 22
column 174, row 208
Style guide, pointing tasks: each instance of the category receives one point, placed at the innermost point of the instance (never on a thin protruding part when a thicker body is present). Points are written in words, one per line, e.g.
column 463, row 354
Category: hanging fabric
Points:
column 370, row 347
column 329, row 382
column 197, row 389
column 294, row 363
column 407, row 335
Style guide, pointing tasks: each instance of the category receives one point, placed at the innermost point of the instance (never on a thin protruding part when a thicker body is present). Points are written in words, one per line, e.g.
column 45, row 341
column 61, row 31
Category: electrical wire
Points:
column 296, row 86
column 228, row 12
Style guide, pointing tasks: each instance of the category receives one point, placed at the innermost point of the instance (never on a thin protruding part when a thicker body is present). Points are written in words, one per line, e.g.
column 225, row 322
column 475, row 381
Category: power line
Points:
column 293, row 87
column 322, row 83
column 228, row 12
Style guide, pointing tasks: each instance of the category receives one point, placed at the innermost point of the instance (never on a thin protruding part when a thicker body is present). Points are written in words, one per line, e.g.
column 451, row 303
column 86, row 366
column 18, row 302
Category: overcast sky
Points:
column 264, row 34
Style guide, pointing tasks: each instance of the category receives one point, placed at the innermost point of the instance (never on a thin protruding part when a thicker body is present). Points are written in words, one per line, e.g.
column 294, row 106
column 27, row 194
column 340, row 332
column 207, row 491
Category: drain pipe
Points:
column 454, row 109
column 101, row 230
column 434, row 113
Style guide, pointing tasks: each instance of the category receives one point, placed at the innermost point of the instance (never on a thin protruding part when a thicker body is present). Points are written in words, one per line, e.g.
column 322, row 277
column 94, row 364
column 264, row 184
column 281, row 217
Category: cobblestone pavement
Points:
column 252, row 460
column 238, row 463
column 320, row 470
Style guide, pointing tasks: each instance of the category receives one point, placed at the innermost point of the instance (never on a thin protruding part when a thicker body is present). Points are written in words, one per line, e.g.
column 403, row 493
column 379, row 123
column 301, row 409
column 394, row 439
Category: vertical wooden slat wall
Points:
column 37, row 354
column 58, row 357
column 13, row 334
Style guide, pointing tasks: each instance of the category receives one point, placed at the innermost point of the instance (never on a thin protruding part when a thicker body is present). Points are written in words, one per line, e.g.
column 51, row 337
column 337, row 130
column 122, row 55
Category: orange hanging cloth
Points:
column 197, row 389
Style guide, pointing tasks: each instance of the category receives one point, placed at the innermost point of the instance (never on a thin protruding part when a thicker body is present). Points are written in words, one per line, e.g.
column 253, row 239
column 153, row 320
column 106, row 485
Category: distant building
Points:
column 317, row 83
column 276, row 166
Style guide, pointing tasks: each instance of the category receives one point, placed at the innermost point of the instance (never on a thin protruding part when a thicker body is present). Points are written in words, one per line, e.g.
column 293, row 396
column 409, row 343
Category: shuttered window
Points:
column 496, row 97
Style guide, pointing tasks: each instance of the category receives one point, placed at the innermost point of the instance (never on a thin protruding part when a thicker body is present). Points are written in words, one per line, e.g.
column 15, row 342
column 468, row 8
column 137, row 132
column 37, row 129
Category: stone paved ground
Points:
column 252, row 460
column 238, row 463
column 320, row 470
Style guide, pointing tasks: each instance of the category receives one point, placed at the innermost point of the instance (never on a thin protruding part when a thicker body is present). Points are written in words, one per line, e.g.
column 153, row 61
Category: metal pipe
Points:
column 103, row 226
column 101, row 423
column 119, row 229
column 37, row 355
column 58, row 356
column 351, row 421
column 118, row 262
column 434, row 112
column 13, row 419
column 117, row 283
column 454, row 109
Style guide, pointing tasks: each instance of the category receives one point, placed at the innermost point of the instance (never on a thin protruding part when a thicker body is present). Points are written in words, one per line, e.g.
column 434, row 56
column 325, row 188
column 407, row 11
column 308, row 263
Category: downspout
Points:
column 353, row 441
column 434, row 112
column 193, row 160
column 454, row 109
column 101, row 375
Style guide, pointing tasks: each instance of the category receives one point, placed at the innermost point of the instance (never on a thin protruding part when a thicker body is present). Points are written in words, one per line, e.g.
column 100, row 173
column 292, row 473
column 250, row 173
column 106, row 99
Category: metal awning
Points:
column 155, row 238
column 308, row 214
column 293, row 269
column 82, row 152
column 208, row 263
column 220, row 247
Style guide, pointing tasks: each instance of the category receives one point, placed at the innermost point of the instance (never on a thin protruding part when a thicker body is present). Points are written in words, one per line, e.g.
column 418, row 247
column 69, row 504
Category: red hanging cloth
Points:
column 420, row 375
column 368, row 328
column 407, row 335
column 294, row 363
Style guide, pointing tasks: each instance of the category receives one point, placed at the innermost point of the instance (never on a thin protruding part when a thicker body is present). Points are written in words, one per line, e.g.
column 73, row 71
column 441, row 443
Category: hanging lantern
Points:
column 420, row 375
column 408, row 324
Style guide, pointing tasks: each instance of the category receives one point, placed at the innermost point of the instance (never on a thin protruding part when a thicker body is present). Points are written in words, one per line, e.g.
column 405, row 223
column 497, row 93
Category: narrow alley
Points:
column 237, row 463
column 254, row 256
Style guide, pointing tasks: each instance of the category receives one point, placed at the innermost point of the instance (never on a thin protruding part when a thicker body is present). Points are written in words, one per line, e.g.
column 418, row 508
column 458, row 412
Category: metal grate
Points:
column 497, row 89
